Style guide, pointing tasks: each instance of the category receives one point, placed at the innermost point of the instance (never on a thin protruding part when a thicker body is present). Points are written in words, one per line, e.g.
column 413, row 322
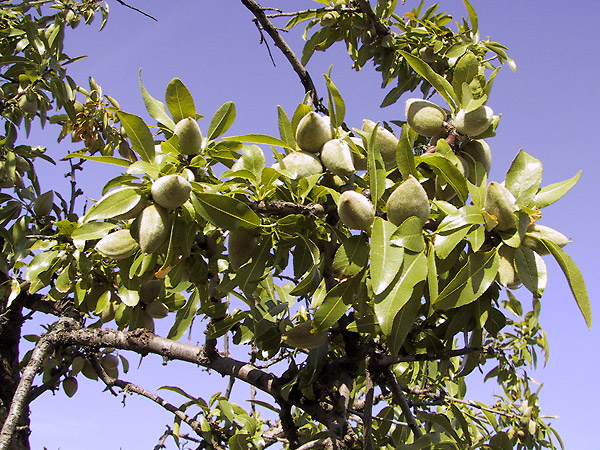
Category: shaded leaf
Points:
column 141, row 139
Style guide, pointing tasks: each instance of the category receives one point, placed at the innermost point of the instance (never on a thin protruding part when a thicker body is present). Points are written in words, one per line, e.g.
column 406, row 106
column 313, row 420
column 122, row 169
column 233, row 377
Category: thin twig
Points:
column 121, row 2
column 368, row 408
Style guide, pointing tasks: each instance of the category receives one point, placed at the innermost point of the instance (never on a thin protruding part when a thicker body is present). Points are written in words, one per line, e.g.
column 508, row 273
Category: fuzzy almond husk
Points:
column 301, row 337
column 118, row 244
column 153, row 228
column 425, row 117
column 386, row 141
column 409, row 199
column 475, row 122
column 355, row 210
column 190, row 136
column 171, row 191
column 507, row 275
column 337, row 157
column 500, row 203
column 313, row 131
column 544, row 232
column 302, row 164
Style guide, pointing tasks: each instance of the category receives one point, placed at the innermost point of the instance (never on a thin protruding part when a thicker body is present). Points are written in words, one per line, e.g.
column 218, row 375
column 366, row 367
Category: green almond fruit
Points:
column 157, row 309
column 44, row 203
column 475, row 122
column 425, row 117
column 409, row 199
column 171, row 191
column 313, row 131
column 543, row 232
column 301, row 337
column 302, row 165
column 355, row 210
column 477, row 151
column 500, row 203
column 240, row 246
column 109, row 362
column 153, row 228
column 190, row 136
column 385, row 139
column 118, row 244
column 150, row 290
column 507, row 275
column 337, row 157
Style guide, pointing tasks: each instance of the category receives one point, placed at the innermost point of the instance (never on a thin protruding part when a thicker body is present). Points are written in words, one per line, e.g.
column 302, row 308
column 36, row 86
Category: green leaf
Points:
column 531, row 270
column 221, row 121
column 449, row 172
column 376, row 168
column 92, row 230
column 553, row 192
column 337, row 107
column 405, row 159
column 336, row 303
column 179, row 100
column 259, row 139
column 391, row 301
column 118, row 201
column 351, row 257
column 225, row 212
column 524, row 177
column 465, row 70
column 432, row 273
column 472, row 17
column 403, row 322
column 184, row 317
column 574, row 278
column 39, row 264
column 440, row 84
column 155, row 108
column 104, row 159
column 409, row 235
column 286, row 132
column 128, row 297
column 471, row 281
column 253, row 271
column 141, row 139
column 386, row 259
column 253, row 159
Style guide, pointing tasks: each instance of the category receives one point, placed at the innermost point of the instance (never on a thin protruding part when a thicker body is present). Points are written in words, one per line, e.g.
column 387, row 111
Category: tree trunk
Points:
column 11, row 321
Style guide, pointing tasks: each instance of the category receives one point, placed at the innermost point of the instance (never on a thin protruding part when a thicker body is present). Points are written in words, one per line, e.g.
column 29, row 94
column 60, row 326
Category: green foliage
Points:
column 424, row 300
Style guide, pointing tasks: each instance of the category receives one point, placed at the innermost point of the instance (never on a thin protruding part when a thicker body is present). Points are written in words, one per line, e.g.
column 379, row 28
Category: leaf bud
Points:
column 425, row 117
column 355, row 210
column 171, row 191
column 337, row 157
column 313, row 131
column 190, row 136
column 409, row 199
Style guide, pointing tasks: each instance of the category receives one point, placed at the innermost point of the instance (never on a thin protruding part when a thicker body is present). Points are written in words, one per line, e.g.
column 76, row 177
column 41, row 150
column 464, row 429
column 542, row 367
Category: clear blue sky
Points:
column 550, row 108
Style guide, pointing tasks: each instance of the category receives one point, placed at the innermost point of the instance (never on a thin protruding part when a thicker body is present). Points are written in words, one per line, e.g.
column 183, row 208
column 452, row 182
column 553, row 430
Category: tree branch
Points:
column 121, row 2
column 368, row 408
column 380, row 28
column 298, row 67
column 280, row 208
column 400, row 399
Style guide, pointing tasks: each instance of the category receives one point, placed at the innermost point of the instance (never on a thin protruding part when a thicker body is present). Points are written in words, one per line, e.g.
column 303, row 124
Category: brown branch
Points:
column 386, row 361
column 380, row 28
column 298, row 67
column 121, row 2
column 368, row 407
column 315, row 444
column 126, row 386
column 281, row 208
column 400, row 399
column 19, row 402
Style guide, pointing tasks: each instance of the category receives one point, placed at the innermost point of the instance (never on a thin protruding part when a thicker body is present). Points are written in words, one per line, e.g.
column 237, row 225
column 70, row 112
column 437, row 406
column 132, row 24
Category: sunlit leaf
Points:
column 179, row 100
column 225, row 212
column 385, row 259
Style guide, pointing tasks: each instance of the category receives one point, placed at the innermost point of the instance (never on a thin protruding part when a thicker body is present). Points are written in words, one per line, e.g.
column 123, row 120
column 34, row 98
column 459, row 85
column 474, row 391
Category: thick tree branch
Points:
column 43, row 348
column 298, row 67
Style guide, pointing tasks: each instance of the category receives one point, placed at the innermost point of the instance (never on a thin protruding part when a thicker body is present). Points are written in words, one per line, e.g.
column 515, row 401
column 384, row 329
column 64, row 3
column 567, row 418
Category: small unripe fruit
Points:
column 475, row 122
column 427, row 54
column 477, row 151
column 355, row 210
column 313, row 131
column 240, row 247
column 409, row 199
column 157, row 309
column 28, row 105
column 302, row 165
column 425, row 117
column 171, row 191
column 500, row 203
column 150, row 290
column 330, row 18
column 153, row 228
column 543, row 232
column 386, row 141
column 190, row 137
column 507, row 275
column 337, row 157
column 118, row 244
column 44, row 203
column 109, row 362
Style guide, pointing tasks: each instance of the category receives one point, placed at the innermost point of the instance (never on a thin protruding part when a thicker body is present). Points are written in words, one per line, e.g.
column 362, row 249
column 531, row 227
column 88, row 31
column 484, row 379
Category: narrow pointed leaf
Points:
column 155, row 108
column 386, row 259
column 222, row 120
column 225, row 212
column 259, row 139
column 553, row 192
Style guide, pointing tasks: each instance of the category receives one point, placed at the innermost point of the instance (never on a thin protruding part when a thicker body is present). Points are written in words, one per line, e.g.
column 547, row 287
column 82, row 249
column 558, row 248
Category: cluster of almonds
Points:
column 168, row 192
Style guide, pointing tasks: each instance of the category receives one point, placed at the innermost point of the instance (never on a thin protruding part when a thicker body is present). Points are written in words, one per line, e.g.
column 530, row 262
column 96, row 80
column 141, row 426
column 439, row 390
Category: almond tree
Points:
column 366, row 269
